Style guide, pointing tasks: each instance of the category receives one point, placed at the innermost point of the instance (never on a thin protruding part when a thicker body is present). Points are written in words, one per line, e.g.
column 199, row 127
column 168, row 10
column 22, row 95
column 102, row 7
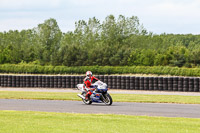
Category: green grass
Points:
column 38, row 95
column 157, row 98
column 45, row 122
column 116, row 97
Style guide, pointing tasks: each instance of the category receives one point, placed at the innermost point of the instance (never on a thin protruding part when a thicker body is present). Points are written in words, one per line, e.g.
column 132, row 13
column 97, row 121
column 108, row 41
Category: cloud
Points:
column 19, row 24
column 174, row 8
column 28, row 4
column 170, row 16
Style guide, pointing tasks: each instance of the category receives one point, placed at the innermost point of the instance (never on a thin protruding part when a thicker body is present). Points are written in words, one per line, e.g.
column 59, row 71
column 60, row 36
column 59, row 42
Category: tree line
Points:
column 121, row 41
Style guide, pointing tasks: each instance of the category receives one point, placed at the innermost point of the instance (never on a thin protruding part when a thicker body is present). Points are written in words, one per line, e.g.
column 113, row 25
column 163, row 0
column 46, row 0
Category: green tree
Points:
column 49, row 35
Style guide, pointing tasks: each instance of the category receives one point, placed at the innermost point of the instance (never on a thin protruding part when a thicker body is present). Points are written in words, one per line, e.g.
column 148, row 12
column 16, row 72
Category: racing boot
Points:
column 87, row 96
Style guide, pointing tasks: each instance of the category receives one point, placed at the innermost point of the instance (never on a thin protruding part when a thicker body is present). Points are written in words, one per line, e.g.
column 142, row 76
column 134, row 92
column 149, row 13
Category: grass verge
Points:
column 116, row 97
column 46, row 122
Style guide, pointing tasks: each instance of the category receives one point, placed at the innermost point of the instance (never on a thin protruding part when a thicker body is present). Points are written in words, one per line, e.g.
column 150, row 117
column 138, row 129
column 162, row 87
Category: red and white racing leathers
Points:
column 87, row 85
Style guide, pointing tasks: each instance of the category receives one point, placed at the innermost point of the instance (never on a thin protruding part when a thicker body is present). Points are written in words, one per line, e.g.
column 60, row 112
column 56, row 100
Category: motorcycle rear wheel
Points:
column 88, row 102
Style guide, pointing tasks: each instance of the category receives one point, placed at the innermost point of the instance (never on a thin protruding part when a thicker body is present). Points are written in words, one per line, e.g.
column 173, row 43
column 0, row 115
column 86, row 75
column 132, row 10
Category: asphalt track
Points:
column 146, row 109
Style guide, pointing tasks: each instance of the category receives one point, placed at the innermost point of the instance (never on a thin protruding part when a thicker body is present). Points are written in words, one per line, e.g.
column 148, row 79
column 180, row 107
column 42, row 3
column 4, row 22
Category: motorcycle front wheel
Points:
column 88, row 102
column 107, row 99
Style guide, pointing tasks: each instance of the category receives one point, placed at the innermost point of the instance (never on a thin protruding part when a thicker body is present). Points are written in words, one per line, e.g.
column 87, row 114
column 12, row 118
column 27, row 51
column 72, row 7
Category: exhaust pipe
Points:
column 81, row 96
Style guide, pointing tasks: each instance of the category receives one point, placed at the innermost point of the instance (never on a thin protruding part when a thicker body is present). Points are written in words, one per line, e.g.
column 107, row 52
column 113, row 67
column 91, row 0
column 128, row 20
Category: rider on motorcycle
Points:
column 88, row 84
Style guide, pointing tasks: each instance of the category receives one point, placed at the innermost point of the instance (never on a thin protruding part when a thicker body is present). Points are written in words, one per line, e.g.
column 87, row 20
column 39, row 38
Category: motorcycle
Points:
column 99, row 95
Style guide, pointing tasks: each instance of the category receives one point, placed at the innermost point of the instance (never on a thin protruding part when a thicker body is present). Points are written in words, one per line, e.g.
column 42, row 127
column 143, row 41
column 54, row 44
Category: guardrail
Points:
column 186, row 84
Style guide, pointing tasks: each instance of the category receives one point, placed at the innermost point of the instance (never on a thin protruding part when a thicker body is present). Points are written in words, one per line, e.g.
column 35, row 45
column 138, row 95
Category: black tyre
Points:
column 114, row 82
column 155, row 83
column 146, row 83
column 107, row 99
column 137, row 83
column 132, row 83
column 127, row 81
column 88, row 102
column 180, row 84
column 106, row 79
column 141, row 84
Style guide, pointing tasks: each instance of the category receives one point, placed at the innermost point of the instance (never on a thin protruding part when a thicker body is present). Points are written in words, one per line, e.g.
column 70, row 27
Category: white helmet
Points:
column 88, row 74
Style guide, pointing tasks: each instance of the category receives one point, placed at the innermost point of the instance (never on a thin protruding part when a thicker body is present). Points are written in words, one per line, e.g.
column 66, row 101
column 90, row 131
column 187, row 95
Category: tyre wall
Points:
column 186, row 84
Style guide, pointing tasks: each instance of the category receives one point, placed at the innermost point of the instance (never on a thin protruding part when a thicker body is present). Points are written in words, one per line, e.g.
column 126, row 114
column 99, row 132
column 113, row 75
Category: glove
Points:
column 93, row 89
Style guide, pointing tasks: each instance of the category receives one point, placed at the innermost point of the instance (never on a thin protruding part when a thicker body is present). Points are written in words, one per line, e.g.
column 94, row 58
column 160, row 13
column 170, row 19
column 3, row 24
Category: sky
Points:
column 157, row 16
